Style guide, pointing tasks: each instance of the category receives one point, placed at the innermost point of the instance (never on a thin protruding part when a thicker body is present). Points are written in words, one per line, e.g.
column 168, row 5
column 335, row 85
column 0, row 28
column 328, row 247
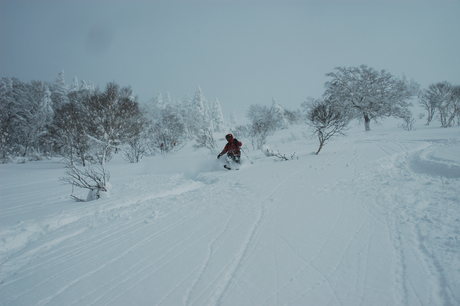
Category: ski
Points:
column 230, row 168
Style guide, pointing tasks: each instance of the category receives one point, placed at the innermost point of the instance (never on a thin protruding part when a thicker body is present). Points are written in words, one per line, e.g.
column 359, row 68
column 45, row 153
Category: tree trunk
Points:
column 443, row 117
column 367, row 122
column 321, row 141
column 319, row 149
column 430, row 116
column 450, row 120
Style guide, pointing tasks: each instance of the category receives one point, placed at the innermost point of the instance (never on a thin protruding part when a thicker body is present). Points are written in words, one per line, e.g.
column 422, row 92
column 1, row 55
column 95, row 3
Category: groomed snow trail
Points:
column 371, row 221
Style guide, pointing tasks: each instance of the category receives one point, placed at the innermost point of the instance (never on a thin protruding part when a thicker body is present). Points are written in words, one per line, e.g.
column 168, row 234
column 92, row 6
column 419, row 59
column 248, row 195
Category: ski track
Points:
column 111, row 261
column 404, row 230
column 336, row 267
column 137, row 268
column 211, row 250
column 276, row 262
column 56, row 223
column 390, row 209
column 106, row 238
column 366, row 264
column 307, row 262
column 136, row 277
column 229, row 275
column 110, row 237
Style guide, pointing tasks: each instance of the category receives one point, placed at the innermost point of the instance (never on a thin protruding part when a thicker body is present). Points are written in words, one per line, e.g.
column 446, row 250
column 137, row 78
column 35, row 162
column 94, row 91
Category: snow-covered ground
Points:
column 373, row 220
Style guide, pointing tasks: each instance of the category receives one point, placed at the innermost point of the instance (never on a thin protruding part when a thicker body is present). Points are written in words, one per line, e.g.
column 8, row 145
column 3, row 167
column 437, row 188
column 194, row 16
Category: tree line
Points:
column 86, row 124
column 362, row 93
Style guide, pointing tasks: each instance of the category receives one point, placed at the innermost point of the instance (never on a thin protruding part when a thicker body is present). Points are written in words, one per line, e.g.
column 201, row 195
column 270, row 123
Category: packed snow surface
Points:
column 374, row 219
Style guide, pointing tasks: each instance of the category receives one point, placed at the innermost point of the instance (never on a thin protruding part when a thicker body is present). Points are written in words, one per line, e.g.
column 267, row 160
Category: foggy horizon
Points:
column 239, row 52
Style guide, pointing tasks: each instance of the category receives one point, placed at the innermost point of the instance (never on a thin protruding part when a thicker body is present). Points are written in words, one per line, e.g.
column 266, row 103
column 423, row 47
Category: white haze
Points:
column 242, row 52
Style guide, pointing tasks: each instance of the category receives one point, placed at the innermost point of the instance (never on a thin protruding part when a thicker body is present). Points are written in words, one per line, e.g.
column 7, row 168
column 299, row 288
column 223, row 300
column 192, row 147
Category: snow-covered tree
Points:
column 23, row 111
column 231, row 120
column 199, row 114
column 408, row 122
column 325, row 119
column 167, row 132
column 96, row 125
column 444, row 99
column 456, row 101
column 114, row 116
column 443, row 93
column 429, row 99
column 241, row 131
column 412, row 86
column 26, row 113
column 42, row 117
column 79, row 85
column 87, row 85
column 197, row 117
column 70, row 126
column 363, row 92
column 263, row 122
column 158, row 102
column 75, row 86
column 7, row 115
column 216, row 115
column 69, row 132
column 59, row 91
column 93, row 125
column 293, row 116
column 279, row 115
column 137, row 145
column 33, row 114
column 205, row 139
column 449, row 109
column 95, row 178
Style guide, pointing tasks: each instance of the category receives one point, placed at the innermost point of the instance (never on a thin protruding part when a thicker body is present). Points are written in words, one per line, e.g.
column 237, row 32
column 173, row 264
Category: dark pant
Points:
column 234, row 157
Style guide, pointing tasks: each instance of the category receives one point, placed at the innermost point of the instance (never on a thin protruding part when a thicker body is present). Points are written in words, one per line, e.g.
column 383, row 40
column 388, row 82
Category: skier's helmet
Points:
column 229, row 136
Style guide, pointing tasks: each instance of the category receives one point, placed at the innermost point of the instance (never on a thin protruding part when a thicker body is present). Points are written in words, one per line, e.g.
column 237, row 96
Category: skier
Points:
column 232, row 148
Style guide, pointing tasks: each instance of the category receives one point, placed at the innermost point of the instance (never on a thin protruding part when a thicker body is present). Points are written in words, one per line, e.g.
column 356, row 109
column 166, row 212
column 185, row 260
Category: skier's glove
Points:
column 218, row 156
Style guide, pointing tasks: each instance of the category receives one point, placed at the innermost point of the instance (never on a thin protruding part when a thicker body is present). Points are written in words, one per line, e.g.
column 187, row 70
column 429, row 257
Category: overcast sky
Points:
column 242, row 52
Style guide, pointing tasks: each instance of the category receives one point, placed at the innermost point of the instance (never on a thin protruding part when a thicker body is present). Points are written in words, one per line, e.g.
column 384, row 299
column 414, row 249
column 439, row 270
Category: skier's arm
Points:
column 223, row 151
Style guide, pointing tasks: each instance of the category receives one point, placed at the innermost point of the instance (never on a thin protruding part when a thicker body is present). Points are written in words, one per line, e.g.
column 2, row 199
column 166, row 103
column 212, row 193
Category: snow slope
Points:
column 372, row 220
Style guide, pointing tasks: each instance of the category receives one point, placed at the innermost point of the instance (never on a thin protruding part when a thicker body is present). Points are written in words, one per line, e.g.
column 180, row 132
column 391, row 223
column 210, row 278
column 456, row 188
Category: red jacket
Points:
column 232, row 147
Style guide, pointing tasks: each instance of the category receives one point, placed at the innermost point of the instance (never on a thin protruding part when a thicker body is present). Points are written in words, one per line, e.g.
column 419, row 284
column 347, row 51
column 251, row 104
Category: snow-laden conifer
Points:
column 59, row 91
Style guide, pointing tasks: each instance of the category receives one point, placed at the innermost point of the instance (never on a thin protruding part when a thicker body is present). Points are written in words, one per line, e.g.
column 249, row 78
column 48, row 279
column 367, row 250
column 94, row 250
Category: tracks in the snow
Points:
column 231, row 273
column 417, row 189
column 57, row 254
